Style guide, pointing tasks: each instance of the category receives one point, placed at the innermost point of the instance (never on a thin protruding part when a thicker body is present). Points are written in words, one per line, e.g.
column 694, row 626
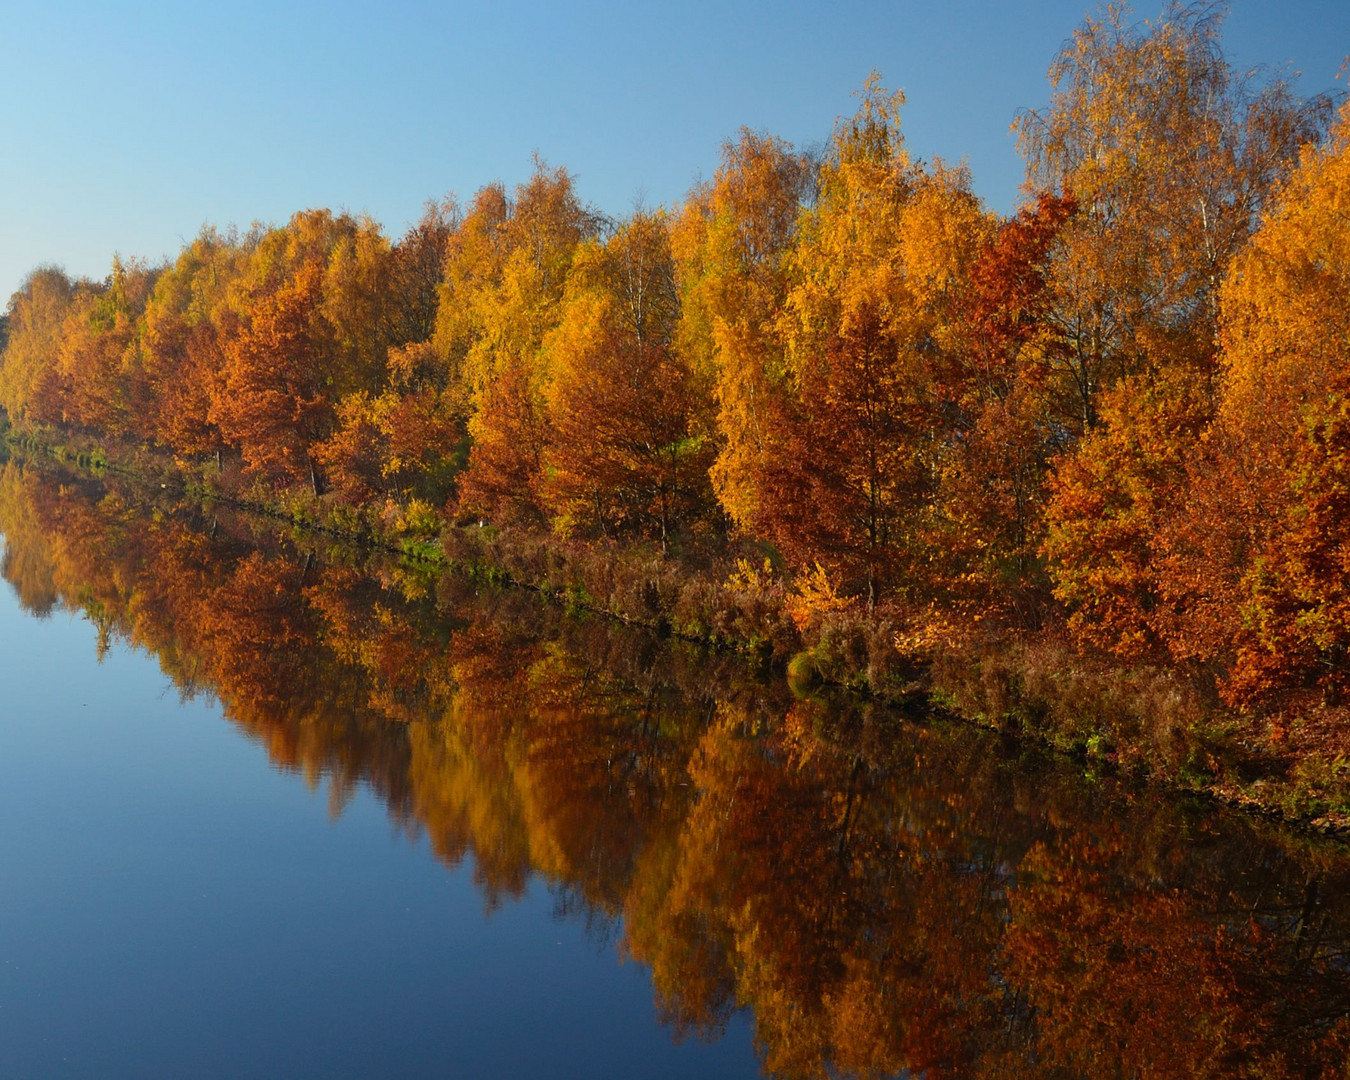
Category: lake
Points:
column 274, row 807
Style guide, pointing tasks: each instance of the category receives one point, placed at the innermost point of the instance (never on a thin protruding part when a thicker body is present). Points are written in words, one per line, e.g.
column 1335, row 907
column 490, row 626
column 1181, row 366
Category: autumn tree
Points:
column 358, row 303
column 996, row 384
column 417, row 271
column 1255, row 567
column 873, row 270
column 1171, row 157
column 630, row 446
column 186, row 319
column 475, row 252
column 398, row 428
column 1108, row 502
column 403, row 442
column 36, row 317
column 730, row 242
column 99, row 358
column 273, row 402
column 505, row 273
column 74, row 350
column 307, row 331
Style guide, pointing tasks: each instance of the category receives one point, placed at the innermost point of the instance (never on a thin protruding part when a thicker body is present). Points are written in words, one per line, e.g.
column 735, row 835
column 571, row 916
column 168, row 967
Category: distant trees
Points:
column 36, row 320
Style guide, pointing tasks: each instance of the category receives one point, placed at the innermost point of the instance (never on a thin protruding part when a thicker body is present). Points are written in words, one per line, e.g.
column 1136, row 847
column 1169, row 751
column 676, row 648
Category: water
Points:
column 310, row 815
column 171, row 905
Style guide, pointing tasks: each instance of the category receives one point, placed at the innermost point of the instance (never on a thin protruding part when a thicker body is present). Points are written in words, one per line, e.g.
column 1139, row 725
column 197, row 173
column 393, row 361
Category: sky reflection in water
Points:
column 170, row 906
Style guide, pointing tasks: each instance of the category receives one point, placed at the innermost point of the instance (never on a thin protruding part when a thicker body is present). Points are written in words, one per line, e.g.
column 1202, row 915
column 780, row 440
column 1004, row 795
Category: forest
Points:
column 1109, row 433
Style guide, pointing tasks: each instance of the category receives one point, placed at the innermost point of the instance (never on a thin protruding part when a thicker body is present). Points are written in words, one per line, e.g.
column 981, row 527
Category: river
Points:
column 273, row 807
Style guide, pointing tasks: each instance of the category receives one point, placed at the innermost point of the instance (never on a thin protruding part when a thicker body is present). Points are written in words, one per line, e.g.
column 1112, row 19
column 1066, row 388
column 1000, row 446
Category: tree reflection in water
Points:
column 884, row 896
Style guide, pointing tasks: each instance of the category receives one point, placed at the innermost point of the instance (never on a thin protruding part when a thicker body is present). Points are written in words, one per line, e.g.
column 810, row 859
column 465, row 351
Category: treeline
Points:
column 886, row 898
column 1123, row 409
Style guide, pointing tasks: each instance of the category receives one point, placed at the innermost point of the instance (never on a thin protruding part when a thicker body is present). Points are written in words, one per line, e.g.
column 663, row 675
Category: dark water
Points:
column 272, row 809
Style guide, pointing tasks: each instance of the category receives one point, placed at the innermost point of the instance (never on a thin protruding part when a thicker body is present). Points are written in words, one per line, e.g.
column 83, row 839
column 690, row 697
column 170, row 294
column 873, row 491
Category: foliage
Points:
column 630, row 447
column 1118, row 413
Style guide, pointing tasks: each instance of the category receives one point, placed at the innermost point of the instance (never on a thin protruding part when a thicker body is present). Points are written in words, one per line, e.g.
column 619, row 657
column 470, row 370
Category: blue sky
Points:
column 127, row 126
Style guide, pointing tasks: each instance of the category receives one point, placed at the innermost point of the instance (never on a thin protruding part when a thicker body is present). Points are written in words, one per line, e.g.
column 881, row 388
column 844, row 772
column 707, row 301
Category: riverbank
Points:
column 1158, row 725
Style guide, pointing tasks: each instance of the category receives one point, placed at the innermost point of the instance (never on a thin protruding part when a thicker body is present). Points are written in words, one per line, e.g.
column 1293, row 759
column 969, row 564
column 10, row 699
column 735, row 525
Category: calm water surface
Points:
column 271, row 810
column 172, row 904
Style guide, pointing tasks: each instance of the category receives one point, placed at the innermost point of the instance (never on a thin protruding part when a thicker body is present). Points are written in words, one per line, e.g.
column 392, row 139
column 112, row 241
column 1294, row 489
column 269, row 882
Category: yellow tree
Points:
column 1171, row 157
column 1257, row 565
column 730, row 243
column 629, row 447
column 36, row 316
column 98, row 358
column 358, row 304
column 875, row 270
column 399, row 425
column 505, row 271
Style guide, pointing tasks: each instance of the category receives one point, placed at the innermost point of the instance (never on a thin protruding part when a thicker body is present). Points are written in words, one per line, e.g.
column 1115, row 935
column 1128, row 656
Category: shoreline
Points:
column 1215, row 760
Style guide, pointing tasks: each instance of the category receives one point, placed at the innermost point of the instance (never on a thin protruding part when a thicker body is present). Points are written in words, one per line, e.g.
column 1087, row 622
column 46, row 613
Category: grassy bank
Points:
column 1161, row 725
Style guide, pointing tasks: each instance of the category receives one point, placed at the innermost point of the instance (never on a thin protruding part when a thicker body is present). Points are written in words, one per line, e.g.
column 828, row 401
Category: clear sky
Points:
column 127, row 126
